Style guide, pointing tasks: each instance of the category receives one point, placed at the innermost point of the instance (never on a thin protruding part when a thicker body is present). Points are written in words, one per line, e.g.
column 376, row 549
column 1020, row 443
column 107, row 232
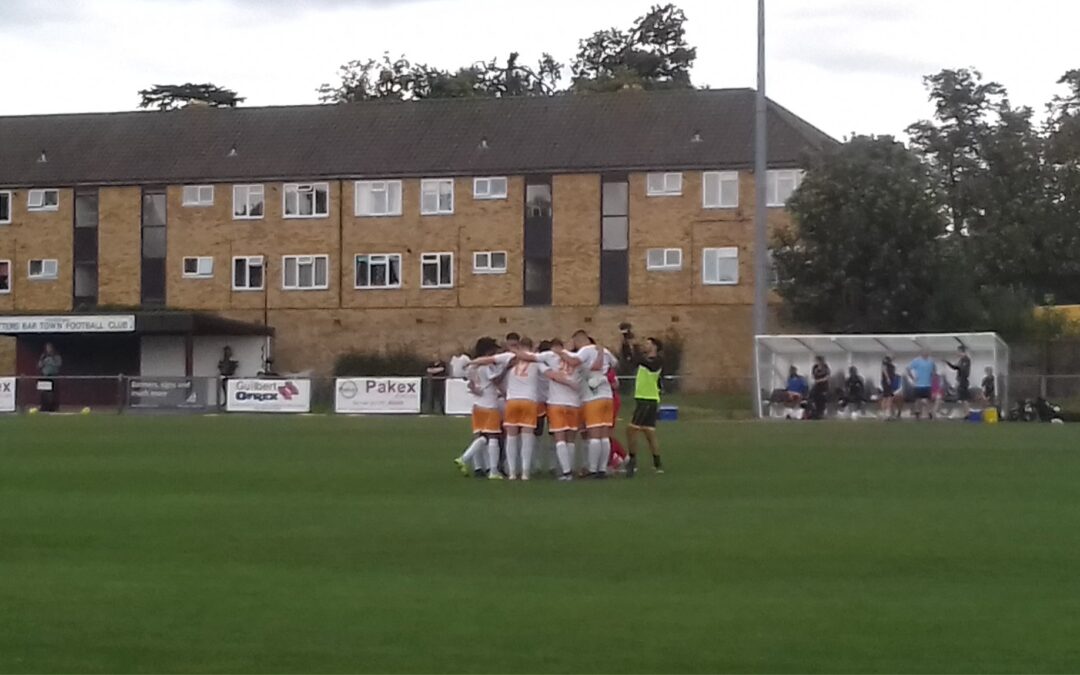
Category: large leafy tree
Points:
column 651, row 54
column 865, row 252
column 170, row 96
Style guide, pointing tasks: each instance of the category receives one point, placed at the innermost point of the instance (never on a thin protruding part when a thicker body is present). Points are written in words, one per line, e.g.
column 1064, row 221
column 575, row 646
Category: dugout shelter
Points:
column 774, row 354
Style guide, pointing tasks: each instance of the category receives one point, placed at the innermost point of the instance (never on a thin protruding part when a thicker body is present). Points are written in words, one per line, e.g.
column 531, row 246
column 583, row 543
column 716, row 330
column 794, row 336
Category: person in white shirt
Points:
column 486, row 422
column 598, row 403
column 522, row 380
column 563, row 402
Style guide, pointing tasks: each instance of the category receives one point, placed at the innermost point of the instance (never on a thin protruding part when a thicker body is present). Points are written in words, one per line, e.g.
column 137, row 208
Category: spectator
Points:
column 963, row 378
column 436, row 372
column 796, row 389
column 458, row 366
column 49, row 364
column 989, row 387
column 226, row 368
column 922, row 371
column 819, row 392
column 854, row 391
column 892, row 388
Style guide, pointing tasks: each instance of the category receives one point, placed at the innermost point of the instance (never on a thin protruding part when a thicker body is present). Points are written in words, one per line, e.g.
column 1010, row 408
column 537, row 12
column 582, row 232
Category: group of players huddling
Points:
column 574, row 388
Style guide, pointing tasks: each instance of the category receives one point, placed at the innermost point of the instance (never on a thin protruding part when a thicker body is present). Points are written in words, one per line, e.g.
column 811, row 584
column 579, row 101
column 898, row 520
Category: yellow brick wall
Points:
column 119, row 246
column 575, row 267
column 32, row 235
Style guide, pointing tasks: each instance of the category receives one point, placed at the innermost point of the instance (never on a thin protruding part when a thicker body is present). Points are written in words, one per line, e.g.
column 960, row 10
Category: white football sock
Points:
column 513, row 455
column 566, row 460
column 470, row 455
column 596, row 448
column 493, row 454
column 528, row 442
column 606, row 443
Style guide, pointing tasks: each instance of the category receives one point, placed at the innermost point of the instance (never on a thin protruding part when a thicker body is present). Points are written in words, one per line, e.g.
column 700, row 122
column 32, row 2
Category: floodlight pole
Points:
column 760, row 209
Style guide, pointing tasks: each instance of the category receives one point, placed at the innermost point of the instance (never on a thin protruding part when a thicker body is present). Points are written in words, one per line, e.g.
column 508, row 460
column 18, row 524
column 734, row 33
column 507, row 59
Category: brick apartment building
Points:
column 387, row 224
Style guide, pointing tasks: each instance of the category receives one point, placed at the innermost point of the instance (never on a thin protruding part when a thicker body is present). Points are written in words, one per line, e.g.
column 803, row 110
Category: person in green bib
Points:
column 646, row 358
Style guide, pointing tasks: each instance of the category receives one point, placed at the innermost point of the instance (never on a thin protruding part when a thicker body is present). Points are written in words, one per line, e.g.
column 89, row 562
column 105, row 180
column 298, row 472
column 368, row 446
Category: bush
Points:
column 401, row 362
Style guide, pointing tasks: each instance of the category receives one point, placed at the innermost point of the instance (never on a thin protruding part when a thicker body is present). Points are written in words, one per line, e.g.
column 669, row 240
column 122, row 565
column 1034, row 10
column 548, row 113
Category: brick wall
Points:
column 38, row 235
column 119, row 246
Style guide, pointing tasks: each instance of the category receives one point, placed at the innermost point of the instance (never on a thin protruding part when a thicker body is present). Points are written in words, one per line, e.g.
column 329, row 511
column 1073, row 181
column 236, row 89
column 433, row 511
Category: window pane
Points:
column 395, row 270
column 320, row 271
column 712, row 267
column 429, row 201
column 35, row 268
column 153, row 210
column 673, row 257
column 239, row 273
column 306, row 275
column 729, row 192
column 52, row 197
column 5, row 206
column 615, row 234
column 380, row 273
column 290, row 272
column 616, row 199
column 5, row 276
column 86, row 281
column 655, row 182
column 191, row 265
column 153, row 242
column 429, row 273
column 498, row 260
column 446, row 270
column 362, row 271
column 654, row 257
column 322, row 201
column 86, row 210
column 255, row 275
column 538, row 201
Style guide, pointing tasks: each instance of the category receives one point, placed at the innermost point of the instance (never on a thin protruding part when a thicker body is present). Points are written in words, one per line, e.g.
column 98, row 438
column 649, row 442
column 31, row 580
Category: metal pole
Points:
column 760, row 210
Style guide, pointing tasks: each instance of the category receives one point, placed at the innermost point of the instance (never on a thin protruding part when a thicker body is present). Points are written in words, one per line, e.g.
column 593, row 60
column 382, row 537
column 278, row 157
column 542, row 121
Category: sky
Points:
column 847, row 66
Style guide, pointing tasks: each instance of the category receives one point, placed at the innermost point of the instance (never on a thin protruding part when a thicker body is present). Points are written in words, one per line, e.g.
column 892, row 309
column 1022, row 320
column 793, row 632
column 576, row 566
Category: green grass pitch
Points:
column 326, row 544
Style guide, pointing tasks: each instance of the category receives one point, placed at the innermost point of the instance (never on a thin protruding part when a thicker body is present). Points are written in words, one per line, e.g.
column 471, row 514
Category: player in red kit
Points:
column 618, row 452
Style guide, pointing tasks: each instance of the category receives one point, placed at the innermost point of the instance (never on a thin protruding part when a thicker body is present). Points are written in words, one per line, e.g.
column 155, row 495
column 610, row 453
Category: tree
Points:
column 401, row 79
column 865, row 252
column 170, row 96
column 652, row 54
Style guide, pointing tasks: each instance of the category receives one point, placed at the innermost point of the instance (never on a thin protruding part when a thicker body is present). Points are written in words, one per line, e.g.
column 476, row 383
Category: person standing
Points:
column 49, row 364
column 989, row 387
column 963, row 378
column 819, row 392
column 226, row 368
column 436, row 376
column 646, row 399
column 892, row 390
column 922, row 371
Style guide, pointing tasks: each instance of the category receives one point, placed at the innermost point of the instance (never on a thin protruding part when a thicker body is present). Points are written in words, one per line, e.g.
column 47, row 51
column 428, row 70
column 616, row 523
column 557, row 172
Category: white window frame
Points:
column 297, row 189
column 204, row 267
column 671, row 184
column 304, row 259
column 393, row 206
column 486, row 183
column 482, row 262
column 720, row 177
column 198, row 195
column 380, row 257
column 247, row 189
column 721, row 253
column 6, row 220
column 45, row 275
column 35, row 200
column 671, row 260
column 774, row 176
column 10, row 279
column 426, row 185
column 425, row 258
column 249, row 261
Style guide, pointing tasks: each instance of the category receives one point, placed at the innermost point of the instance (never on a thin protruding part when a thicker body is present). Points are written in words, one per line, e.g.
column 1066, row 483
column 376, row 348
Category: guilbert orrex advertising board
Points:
column 377, row 395
column 256, row 395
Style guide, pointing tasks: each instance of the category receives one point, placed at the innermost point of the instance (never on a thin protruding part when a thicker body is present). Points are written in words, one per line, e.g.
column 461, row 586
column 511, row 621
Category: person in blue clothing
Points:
column 796, row 389
column 922, row 371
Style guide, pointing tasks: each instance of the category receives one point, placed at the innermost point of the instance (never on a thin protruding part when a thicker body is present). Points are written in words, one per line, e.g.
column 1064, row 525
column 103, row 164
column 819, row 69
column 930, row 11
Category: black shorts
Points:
column 963, row 391
column 645, row 413
column 539, row 430
column 923, row 393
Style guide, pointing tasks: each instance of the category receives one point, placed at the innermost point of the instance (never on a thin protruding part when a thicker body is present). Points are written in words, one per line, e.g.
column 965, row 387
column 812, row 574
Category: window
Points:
column 5, row 208
column 306, row 200
column 489, row 262
column 378, row 270
column 663, row 259
column 378, row 198
column 720, row 266
column 489, row 188
column 437, row 270
column 247, row 202
column 43, row 200
column 43, row 269
column 5, row 276
column 198, row 195
column 304, row 272
column 248, row 273
column 781, row 185
column 720, row 189
column 663, row 184
column 436, row 196
column 199, row 268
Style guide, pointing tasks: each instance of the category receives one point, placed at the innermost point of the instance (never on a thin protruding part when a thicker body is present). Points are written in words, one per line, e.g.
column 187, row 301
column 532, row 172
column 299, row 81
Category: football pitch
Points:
column 326, row 544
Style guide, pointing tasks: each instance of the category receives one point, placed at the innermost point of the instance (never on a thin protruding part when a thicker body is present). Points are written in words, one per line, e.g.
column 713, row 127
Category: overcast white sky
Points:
column 845, row 65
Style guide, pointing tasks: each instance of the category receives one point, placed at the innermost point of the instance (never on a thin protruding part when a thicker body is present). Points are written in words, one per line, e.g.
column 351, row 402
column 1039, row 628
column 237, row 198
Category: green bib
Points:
column 647, row 384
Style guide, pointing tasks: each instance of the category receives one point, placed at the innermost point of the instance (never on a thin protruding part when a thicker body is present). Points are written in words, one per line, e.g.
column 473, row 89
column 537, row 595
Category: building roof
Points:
column 628, row 130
